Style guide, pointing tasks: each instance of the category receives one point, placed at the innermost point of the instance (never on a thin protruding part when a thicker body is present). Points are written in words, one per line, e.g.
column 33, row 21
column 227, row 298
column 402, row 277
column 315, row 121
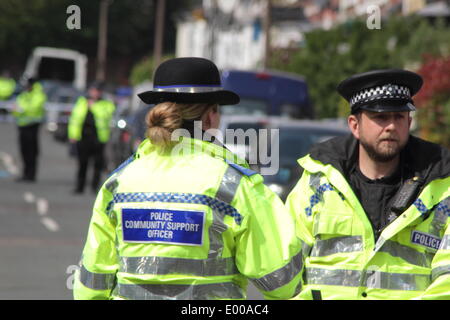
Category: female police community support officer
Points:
column 180, row 219
column 373, row 206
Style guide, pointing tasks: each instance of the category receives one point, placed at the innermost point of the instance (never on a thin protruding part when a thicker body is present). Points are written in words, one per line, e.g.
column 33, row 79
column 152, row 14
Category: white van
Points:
column 63, row 74
column 55, row 64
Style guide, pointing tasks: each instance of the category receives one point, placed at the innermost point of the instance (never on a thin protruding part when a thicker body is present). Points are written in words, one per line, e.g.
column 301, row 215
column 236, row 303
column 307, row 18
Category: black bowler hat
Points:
column 381, row 90
column 188, row 80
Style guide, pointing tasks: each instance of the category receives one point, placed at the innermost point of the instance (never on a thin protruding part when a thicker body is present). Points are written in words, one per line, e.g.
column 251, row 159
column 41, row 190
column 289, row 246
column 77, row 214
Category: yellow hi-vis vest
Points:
column 410, row 260
column 31, row 106
column 186, row 224
column 7, row 87
column 102, row 110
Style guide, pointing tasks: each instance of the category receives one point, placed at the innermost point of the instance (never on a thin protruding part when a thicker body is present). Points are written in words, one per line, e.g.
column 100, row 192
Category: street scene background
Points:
column 283, row 57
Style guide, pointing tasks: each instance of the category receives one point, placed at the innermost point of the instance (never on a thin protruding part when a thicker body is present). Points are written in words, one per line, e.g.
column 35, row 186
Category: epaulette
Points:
column 245, row 171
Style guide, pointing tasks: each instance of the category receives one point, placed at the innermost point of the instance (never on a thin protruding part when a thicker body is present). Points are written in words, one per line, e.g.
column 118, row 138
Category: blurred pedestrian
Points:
column 373, row 206
column 29, row 112
column 89, row 129
column 180, row 219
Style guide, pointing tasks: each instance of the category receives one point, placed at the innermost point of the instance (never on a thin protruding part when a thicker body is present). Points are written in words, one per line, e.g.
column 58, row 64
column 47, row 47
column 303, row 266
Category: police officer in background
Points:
column 89, row 129
column 373, row 206
column 181, row 219
column 7, row 85
column 29, row 112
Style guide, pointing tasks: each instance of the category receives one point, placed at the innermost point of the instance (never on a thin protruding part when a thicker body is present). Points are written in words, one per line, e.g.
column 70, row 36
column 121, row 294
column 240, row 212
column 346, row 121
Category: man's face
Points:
column 382, row 134
column 94, row 93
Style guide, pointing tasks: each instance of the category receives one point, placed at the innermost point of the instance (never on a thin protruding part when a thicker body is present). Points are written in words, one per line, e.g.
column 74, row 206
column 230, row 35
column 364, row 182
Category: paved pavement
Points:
column 43, row 226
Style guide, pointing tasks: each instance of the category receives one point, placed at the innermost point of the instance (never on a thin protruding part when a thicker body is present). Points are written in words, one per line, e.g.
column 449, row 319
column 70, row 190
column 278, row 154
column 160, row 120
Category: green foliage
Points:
column 433, row 101
column 143, row 70
column 329, row 56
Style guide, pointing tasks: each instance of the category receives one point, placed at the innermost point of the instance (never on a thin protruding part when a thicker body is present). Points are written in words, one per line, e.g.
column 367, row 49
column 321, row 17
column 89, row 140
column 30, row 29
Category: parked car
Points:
column 291, row 139
column 295, row 141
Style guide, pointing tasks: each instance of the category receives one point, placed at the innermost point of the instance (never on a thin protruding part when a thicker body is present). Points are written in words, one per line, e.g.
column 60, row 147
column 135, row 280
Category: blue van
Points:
column 268, row 93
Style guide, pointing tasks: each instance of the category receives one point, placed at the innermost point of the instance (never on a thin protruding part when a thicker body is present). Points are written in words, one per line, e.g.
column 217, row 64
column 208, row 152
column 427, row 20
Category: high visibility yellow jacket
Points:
column 102, row 110
column 7, row 87
column 411, row 257
column 31, row 106
column 188, row 223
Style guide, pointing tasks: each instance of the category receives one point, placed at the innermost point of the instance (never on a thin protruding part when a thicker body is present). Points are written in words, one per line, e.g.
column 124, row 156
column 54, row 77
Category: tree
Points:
column 143, row 70
column 329, row 56
column 433, row 101
column 26, row 24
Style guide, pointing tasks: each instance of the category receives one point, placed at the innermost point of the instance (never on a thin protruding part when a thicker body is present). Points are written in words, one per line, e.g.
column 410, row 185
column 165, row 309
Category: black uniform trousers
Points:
column 87, row 151
column 29, row 150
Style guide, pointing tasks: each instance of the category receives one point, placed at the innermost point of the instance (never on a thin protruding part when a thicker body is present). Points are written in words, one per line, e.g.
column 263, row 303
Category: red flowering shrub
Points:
column 433, row 101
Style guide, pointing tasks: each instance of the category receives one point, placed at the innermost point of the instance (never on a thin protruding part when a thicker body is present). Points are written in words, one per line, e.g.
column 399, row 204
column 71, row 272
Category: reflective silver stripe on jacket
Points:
column 441, row 214
column 337, row 245
column 191, row 267
column 226, row 192
column 372, row 279
column 229, row 185
column 97, row 281
column 439, row 271
column 397, row 281
column 445, row 243
column 408, row 254
column 282, row 276
column 347, row 278
column 225, row 290
column 306, row 249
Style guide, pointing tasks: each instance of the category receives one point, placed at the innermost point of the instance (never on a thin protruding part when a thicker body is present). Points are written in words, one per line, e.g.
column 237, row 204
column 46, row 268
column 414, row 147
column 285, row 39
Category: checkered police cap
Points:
column 388, row 91
column 381, row 90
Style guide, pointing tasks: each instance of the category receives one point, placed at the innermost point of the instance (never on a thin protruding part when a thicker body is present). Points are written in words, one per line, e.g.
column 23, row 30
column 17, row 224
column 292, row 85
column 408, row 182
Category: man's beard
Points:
column 382, row 154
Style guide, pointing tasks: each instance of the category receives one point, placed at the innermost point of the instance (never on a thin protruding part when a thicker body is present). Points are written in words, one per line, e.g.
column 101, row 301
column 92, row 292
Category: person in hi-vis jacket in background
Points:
column 89, row 128
column 29, row 112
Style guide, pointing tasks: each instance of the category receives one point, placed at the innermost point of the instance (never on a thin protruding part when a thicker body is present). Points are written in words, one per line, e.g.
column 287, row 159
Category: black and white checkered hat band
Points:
column 388, row 91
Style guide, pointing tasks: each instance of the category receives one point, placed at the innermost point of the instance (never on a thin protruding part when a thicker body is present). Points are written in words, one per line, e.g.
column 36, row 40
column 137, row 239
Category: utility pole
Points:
column 267, row 26
column 159, row 33
column 102, row 40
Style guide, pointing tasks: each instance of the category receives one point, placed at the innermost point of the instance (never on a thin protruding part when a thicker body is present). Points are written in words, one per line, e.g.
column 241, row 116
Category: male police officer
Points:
column 373, row 206
column 89, row 128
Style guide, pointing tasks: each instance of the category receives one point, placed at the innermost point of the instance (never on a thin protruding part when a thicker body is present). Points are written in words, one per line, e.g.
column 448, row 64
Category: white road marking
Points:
column 42, row 206
column 8, row 162
column 29, row 197
column 42, row 210
column 50, row 224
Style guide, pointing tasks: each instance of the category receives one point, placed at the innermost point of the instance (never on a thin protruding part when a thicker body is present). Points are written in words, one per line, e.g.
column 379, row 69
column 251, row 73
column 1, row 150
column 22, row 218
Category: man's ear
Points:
column 353, row 124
